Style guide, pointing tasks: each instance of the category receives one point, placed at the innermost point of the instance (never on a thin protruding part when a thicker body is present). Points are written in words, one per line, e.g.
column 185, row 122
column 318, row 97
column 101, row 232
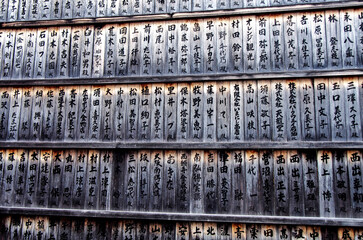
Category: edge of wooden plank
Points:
column 186, row 145
column 184, row 15
column 183, row 78
column 156, row 216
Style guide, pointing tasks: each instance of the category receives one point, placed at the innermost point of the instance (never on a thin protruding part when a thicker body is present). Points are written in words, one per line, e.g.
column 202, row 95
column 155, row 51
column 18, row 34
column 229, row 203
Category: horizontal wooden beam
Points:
column 166, row 216
column 185, row 145
column 174, row 16
column 182, row 78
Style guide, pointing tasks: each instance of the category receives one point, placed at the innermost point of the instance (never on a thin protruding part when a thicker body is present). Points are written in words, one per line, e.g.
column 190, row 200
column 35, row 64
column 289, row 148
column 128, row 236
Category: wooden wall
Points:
column 181, row 119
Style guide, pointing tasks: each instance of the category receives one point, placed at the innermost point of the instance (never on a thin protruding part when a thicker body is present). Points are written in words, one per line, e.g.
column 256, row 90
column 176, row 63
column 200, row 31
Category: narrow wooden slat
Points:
column 224, row 182
column 222, row 36
column 264, row 89
column 157, row 111
column 20, row 177
column 223, row 112
column 341, row 184
column 337, row 110
column 198, row 45
column 250, row 109
column 111, row 50
column 21, row 42
column 184, row 181
column 9, row 177
column 16, row 95
column 183, row 113
column 25, row 114
column 318, row 40
column 32, row 178
column 293, row 120
column 210, row 109
column 268, row 232
column 249, row 39
column 144, row 124
column 54, row 46
column 43, row 189
column 355, row 181
column 71, row 113
column 253, row 206
column 264, row 44
column 277, row 47
column 279, row 113
column 291, row 38
column 352, row 106
column 296, row 184
column 59, row 114
column 117, row 181
column 132, row 113
column 56, row 9
column 308, row 127
column 28, row 225
column 67, row 183
column 266, row 166
column 143, row 180
column 333, row 37
column 313, row 233
column 16, row 227
column 8, row 54
column 120, row 116
column 326, row 190
column 142, row 230
column 131, row 181
column 86, row 60
column 156, row 180
column 105, row 179
column 183, row 43
column 210, row 183
column 41, row 54
column 95, row 112
column 107, row 115
column 304, row 31
column 196, row 182
column 75, row 50
column 322, row 111
column 79, row 190
column 92, row 180
column 57, row 171
column 98, row 51
column 237, row 119
column 235, row 41
column 253, row 231
column 84, row 103
column 64, row 55
column 238, row 186
column 170, row 181
column 239, row 231
column 311, row 184
column 282, row 198
column 182, row 231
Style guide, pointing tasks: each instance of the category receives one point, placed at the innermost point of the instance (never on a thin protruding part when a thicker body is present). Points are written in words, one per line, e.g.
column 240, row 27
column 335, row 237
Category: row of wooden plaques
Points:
column 40, row 227
column 266, row 110
column 276, row 183
column 31, row 10
column 293, row 42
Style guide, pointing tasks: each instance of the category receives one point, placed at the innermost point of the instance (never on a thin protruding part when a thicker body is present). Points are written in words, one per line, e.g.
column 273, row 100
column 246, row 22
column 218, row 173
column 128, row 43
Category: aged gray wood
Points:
column 68, row 9
column 291, row 53
column 29, row 55
column 90, row 9
column 183, row 44
column 26, row 113
column 196, row 111
column 14, row 113
column 341, row 184
column 79, row 190
column 44, row 10
column 123, row 40
column 209, row 113
column 268, row 232
column 249, row 41
column 143, row 231
column 101, row 8
column 319, row 40
column 59, row 114
column 3, row 10
column 253, row 231
column 237, row 119
column 5, row 105
column 43, row 189
column 20, row 177
column 68, row 177
column 348, row 39
column 238, row 185
column 156, row 181
column 304, row 29
column 56, row 8
column 54, row 47
column 183, row 181
column 28, row 225
column 98, row 51
column 116, row 229
column 157, row 111
column 87, row 49
column 2, row 43
column 143, row 181
column 314, row 232
column 171, row 46
column 135, row 50
column 281, row 171
column 224, row 186
column 322, row 105
column 84, row 103
column 337, row 109
column 41, row 226
column 19, row 53
column 198, row 45
column 183, row 113
column 358, row 19
column 57, row 172
column 196, row 230
column 278, row 112
column 75, row 51
column 223, row 111
column 32, row 178
column 171, row 99
column 182, row 231
column 352, row 106
column 333, row 38
column 41, row 50
column 355, row 181
column 8, row 54
column 196, row 182
column 252, row 205
column 296, row 183
column 131, row 181
column 326, row 190
column 211, row 45
column 311, row 184
column 264, row 47
column 113, row 7
column 293, row 109
column 136, row 7
column 250, row 108
column 306, row 90
column 145, row 112
column 105, row 179
column 264, row 103
column 235, row 42
column 284, row 232
column 125, row 8
column 266, row 166
column 71, row 112
column 129, row 229
column 92, row 186
column 120, row 116
column 277, row 46
column 170, row 181
column 210, row 183
column 95, row 116
column 111, row 50
column 8, row 181
column 132, row 112
column 117, row 181
column 107, row 114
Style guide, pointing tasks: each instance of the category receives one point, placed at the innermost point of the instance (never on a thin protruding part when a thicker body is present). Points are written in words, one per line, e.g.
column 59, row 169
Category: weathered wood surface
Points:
column 317, row 41
column 323, row 109
column 198, row 182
